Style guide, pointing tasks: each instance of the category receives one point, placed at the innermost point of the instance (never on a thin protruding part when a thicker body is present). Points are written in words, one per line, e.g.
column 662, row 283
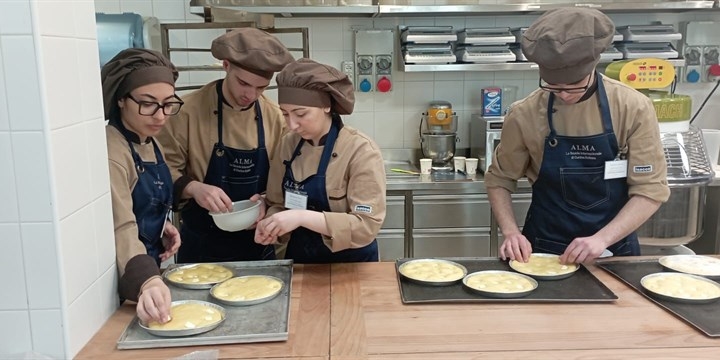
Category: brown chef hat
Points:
column 131, row 69
column 309, row 83
column 566, row 43
column 253, row 50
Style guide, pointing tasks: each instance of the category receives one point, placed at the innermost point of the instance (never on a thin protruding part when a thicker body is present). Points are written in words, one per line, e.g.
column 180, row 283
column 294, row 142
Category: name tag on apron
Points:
column 615, row 169
column 295, row 200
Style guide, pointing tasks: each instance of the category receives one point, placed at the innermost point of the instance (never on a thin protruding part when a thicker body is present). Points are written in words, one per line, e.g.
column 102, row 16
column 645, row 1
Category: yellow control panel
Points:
column 647, row 73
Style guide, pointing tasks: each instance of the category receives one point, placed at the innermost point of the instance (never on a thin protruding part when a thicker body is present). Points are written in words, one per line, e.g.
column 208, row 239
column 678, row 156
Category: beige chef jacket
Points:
column 355, row 183
column 188, row 137
column 520, row 151
column 128, row 246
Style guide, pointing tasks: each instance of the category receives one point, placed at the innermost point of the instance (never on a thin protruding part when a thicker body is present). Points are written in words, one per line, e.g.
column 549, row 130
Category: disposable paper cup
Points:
column 471, row 165
column 425, row 166
column 459, row 163
column 711, row 137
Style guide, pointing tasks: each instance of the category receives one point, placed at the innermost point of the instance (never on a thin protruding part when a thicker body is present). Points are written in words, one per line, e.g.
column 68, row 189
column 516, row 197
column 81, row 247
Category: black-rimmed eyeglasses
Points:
column 149, row 108
column 571, row 90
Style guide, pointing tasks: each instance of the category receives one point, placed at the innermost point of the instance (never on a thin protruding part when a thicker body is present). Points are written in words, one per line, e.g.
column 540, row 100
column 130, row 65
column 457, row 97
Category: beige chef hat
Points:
column 131, row 69
column 309, row 83
column 566, row 43
column 253, row 50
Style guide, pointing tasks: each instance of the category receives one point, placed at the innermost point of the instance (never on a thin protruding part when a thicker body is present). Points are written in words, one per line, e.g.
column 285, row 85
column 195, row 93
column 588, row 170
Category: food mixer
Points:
column 438, row 135
column 678, row 221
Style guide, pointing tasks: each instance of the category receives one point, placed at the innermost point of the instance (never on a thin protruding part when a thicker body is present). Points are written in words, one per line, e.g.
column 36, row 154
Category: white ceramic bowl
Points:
column 241, row 217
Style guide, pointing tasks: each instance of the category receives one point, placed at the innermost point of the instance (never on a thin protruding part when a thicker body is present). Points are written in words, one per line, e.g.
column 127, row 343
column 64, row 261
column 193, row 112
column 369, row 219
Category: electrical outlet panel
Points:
column 373, row 60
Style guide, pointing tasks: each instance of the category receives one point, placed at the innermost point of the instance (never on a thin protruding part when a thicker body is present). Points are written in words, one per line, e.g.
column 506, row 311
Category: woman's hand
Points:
column 171, row 241
column 263, row 208
column 154, row 302
column 276, row 225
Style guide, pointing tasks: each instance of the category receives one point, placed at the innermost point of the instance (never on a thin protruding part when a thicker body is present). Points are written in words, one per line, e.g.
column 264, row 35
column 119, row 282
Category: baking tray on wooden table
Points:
column 583, row 286
column 704, row 317
column 264, row 322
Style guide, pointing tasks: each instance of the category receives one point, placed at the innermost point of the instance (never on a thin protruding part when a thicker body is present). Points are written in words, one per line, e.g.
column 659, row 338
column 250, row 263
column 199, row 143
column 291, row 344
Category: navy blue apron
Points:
column 152, row 200
column 307, row 246
column 241, row 174
column 571, row 197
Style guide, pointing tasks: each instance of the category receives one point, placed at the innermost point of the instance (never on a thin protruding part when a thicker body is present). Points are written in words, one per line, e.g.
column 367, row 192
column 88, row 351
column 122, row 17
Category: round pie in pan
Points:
column 198, row 276
column 544, row 267
column 432, row 271
column 247, row 290
column 692, row 264
column 188, row 317
column 681, row 287
column 500, row 284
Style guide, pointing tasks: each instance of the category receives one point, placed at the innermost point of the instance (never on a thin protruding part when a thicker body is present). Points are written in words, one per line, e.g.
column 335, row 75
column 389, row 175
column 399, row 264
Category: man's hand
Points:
column 583, row 249
column 276, row 225
column 515, row 247
column 263, row 208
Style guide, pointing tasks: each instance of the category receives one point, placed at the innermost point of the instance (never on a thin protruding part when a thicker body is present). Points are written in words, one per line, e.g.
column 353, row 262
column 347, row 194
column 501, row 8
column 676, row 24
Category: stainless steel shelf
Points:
column 614, row 6
column 484, row 8
column 197, row 8
column 512, row 66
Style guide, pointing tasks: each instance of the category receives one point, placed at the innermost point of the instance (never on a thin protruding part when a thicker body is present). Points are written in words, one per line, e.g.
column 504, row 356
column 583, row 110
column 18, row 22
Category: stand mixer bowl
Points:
column 439, row 147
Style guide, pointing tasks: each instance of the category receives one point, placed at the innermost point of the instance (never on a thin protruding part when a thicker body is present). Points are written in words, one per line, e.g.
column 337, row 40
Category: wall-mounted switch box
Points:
column 373, row 60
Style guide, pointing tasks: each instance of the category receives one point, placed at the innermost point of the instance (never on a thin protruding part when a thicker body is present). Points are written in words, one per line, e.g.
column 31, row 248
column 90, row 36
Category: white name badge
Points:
column 294, row 200
column 615, row 169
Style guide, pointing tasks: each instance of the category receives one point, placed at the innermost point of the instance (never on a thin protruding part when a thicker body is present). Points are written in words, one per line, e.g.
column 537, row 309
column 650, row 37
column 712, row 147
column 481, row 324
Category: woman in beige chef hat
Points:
column 326, row 188
column 139, row 96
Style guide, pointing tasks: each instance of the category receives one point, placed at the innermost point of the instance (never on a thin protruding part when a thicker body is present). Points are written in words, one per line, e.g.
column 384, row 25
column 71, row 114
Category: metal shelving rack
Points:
column 166, row 49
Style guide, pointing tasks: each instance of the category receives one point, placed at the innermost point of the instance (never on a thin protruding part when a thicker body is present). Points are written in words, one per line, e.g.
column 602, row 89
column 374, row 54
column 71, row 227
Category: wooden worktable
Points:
column 308, row 336
column 354, row 311
column 369, row 321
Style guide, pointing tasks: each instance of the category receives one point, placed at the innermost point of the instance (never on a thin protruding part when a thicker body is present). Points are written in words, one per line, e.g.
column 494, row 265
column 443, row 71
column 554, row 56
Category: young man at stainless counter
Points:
column 590, row 146
column 218, row 147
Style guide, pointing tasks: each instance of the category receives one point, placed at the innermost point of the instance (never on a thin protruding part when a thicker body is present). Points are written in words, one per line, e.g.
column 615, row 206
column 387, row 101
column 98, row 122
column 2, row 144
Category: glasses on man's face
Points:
column 570, row 90
column 149, row 108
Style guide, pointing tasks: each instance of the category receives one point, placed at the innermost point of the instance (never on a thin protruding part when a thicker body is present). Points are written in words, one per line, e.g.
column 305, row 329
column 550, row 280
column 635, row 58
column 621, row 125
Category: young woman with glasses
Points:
column 139, row 96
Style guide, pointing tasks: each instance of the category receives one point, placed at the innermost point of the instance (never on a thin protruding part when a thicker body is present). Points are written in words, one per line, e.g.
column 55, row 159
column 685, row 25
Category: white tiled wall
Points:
column 55, row 213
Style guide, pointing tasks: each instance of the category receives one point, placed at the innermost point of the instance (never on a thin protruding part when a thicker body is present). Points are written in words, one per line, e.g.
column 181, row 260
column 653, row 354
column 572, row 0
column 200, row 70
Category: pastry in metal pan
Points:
column 692, row 264
column 247, row 290
column 544, row 267
column 188, row 317
column 432, row 271
column 500, row 284
column 198, row 276
column 681, row 287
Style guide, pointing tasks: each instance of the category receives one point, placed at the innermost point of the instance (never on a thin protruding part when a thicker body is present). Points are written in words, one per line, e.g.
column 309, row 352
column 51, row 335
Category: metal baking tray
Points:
column 268, row 321
column 704, row 317
column 581, row 287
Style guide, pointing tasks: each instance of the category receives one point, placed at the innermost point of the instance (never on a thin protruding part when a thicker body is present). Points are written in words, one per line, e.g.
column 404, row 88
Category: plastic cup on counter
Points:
column 459, row 162
column 471, row 165
column 425, row 166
